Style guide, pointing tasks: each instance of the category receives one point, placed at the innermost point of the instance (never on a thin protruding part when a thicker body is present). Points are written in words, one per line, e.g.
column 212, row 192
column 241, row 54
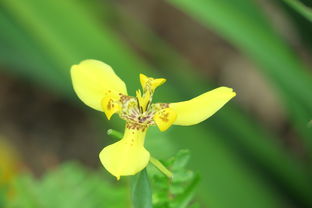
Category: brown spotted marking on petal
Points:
column 109, row 106
column 164, row 117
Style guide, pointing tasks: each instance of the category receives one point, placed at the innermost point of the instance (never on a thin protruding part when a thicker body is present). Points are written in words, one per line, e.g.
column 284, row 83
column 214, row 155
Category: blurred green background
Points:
column 255, row 152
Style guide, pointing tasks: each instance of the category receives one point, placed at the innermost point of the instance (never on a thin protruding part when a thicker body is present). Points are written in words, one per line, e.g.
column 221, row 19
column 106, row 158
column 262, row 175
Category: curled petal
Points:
column 111, row 105
column 127, row 156
column 165, row 118
column 149, row 82
column 202, row 107
column 93, row 80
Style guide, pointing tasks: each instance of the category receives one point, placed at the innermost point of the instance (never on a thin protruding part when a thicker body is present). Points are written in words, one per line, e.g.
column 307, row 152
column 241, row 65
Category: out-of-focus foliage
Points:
column 3, row 192
column 179, row 191
column 300, row 8
column 9, row 161
column 41, row 39
column 9, row 166
column 251, row 32
column 68, row 186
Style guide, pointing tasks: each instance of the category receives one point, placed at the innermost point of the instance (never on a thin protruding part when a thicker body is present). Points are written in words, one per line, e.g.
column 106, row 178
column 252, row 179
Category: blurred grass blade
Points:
column 19, row 52
column 223, row 173
column 141, row 191
column 242, row 23
column 53, row 35
column 300, row 8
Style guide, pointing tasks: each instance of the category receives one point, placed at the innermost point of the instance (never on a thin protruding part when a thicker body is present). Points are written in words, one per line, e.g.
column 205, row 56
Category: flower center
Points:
column 139, row 111
column 133, row 114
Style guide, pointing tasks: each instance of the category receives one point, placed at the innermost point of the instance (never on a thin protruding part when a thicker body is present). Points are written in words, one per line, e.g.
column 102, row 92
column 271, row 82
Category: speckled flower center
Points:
column 133, row 114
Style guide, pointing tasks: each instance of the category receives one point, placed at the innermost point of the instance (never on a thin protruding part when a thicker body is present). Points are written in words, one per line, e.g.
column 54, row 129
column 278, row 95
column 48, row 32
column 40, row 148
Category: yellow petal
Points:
column 143, row 100
column 165, row 118
column 151, row 82
column 127, row 156
column 93, row 79
column 143, row 80
column 202, row 107
column 110, row 105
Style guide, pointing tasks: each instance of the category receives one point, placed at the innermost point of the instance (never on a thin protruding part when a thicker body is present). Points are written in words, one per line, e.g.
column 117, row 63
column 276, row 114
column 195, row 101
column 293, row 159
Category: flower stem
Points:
column 161, row 167
column 114, row 133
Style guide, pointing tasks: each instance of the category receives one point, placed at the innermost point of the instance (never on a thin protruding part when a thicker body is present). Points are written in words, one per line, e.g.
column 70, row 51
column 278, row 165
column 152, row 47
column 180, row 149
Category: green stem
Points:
column 161, row 167
column 115, row 134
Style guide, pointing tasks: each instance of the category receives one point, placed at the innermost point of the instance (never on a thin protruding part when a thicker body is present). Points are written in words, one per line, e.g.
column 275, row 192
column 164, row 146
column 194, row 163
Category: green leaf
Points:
column 184, row 199
column 141, row 191
column 195, row 206
column 180, row 160
column 300, row 8
column 178, row 191
column 68, row 186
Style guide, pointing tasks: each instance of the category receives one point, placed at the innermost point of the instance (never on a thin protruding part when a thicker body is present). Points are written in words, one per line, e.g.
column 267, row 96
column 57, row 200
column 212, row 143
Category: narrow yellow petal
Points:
column 144, row 99
column 157, row 82
column 202, row 107
column 143, row 80
column 165, row 118
column 93, row 79
column 150, row 83
column 127, row 156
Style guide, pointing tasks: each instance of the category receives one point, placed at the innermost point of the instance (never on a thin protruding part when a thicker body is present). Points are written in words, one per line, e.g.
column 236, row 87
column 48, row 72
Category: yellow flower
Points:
column 97, row 85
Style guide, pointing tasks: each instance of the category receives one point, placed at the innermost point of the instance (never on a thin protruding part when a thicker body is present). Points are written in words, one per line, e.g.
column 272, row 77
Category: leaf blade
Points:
column 141, row 191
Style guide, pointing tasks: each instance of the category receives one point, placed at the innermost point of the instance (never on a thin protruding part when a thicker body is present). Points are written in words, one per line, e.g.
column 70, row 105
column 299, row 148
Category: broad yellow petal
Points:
column 127, row 156
column 202, row 107
column 93, row 79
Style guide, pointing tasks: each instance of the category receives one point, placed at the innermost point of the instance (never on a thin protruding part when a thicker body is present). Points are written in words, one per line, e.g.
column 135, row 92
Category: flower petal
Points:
column 127, row 156
column 110, row 105
column 93, row 79
column 165, row 118
column 202, row 107
column 149, row 82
